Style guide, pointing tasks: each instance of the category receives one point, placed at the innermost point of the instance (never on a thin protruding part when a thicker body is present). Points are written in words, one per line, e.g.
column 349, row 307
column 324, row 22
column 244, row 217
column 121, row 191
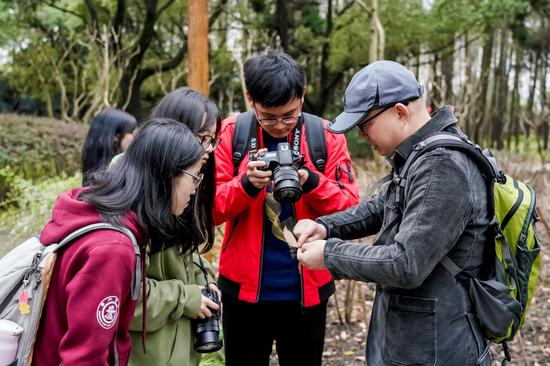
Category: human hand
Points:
column 303, row 174
column 207, row 305
column 312, row 254
column 308, row 230
column 259, row 178
column 214, row 287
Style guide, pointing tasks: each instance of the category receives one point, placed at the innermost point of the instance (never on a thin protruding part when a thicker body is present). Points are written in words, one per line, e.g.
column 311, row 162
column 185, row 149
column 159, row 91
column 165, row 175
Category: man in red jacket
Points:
column 266, row 295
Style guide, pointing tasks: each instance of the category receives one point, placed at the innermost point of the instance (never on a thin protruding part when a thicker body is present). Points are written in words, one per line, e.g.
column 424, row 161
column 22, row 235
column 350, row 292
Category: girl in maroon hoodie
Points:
column 88, row 308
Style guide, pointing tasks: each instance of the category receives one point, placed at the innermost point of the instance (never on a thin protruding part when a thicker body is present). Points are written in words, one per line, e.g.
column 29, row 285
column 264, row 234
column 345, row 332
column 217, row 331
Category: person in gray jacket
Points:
column 422, row 314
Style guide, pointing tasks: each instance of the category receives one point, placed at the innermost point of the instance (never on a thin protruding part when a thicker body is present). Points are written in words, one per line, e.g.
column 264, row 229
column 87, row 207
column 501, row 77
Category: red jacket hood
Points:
column 70, row 214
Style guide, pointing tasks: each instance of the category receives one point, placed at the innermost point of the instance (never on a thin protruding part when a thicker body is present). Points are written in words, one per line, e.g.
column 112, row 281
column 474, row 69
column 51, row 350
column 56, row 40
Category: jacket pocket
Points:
column 410, row 331
column 174, row 341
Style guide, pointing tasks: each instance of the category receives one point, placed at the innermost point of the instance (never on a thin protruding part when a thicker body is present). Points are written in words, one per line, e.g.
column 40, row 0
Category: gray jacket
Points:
column 421, row 315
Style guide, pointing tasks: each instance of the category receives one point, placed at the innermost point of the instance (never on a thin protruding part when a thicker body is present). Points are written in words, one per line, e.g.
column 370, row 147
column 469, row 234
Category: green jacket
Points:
column 174, row 297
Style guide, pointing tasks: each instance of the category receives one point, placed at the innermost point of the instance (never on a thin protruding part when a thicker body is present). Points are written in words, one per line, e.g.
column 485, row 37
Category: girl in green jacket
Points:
column 176, row 274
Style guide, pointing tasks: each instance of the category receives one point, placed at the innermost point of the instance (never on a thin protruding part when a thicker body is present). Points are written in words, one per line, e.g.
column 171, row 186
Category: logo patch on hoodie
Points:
column 107, row 312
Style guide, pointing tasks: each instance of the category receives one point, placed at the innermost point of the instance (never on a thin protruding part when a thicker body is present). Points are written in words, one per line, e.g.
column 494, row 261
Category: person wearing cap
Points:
column 422, row 314
column 266, row 296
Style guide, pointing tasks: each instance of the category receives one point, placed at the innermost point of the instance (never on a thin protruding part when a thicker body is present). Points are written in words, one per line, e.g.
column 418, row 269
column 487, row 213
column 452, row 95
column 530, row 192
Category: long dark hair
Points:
column 199, row 113
column 103, row 140
column 142, row 181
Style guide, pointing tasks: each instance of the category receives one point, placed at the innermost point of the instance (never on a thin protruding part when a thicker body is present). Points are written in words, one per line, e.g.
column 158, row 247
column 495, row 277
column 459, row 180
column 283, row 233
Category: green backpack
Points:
column 501, row 301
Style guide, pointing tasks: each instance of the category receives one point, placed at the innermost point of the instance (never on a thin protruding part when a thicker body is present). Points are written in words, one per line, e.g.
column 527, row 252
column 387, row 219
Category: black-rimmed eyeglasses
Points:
column 363, row 125
column 273, row 121
column 197, row 179
column 211, row 142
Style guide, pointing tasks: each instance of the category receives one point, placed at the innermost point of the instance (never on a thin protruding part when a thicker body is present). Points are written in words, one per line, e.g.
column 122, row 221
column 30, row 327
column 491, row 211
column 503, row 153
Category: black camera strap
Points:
column 202, row 267
column 245, row 138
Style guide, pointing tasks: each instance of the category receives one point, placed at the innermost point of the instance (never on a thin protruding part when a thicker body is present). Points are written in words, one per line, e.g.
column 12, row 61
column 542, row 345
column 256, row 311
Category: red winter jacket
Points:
column 241, row 206
column 89, row 299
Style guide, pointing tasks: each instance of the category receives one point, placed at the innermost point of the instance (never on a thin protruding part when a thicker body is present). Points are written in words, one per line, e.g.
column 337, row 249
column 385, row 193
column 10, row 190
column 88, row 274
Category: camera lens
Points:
column 287, row 184
column 207, row 330
column 206, row 334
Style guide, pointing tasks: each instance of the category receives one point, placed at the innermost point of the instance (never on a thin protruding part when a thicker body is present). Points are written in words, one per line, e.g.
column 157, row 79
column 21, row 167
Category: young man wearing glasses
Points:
column 422, row 314
column 267, row 297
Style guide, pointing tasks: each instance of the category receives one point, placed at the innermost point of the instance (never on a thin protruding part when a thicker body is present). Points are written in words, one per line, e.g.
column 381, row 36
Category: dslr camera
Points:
column 207, row 330
column 284, row 163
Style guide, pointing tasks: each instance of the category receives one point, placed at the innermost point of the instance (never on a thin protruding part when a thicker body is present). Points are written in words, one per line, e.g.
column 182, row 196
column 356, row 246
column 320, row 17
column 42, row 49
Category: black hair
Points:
column 274, row 79
column 103, row 140
column 199, row 113
column 142, row 181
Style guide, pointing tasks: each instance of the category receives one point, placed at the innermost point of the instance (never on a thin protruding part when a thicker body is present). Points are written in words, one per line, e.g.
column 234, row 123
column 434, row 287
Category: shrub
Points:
column 37, row 148
column 28, row 206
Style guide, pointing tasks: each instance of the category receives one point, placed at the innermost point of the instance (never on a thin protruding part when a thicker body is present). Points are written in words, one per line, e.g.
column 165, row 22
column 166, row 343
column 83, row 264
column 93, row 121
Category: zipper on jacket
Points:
column 261, row 258
column 226, row 244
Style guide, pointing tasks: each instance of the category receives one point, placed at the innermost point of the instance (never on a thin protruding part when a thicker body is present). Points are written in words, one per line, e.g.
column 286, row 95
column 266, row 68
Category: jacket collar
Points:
column 441, row 120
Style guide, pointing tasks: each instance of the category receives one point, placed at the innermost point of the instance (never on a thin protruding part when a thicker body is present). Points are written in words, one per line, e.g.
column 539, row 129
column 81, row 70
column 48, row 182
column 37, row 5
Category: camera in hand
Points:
column 284, row 163
column 207, row 330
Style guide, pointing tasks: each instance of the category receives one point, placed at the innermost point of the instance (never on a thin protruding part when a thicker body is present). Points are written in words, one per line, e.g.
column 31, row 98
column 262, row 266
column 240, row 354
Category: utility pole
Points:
column 197, row 46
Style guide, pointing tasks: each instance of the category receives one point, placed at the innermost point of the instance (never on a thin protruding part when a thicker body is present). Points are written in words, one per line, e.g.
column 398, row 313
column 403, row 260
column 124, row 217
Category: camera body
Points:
column 284, row 163
column 206, row 331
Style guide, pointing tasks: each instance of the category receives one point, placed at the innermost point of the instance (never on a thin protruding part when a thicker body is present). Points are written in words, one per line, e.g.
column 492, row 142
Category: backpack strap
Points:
column 316, row 142
column 245, row 138
column 136, row 281
column 484, row 161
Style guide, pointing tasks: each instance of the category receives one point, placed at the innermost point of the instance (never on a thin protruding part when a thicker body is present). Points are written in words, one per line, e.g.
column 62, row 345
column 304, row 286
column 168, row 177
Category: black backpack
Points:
column 245, row 138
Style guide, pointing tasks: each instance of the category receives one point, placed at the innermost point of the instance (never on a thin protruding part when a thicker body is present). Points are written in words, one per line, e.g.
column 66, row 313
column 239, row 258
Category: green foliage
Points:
column 28, row 205
column 406, row 25
column 37, row 148
column 351, row 33
column 213, row 359
column 358, row 148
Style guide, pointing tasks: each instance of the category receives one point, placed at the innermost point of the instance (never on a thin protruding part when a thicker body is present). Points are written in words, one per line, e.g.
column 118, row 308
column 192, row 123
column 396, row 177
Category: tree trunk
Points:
column 447, row 69
column 435, row 93
column 376, row 46
column 197, row 46
column 282, row 23
column 529, row 112
column 514, row 123
column 545, row 128
column 480, row 118
column 466, row 108
column 130, row 94
column 498, row 106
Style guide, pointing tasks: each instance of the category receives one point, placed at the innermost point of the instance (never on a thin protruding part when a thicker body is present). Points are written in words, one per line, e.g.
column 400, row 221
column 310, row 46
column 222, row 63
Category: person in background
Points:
column 110, row 133
column 89, row 304
column 266, row 296
column 175, row 274
column 422, row 313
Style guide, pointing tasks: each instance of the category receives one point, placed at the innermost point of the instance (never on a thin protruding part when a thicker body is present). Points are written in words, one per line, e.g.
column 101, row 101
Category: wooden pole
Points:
column 197, row 46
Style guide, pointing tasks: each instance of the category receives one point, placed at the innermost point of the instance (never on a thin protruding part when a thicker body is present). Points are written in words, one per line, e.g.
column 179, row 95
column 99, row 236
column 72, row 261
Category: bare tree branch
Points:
column 218, row 10
column 93, row 14
column 51, row 4
column 164, row 7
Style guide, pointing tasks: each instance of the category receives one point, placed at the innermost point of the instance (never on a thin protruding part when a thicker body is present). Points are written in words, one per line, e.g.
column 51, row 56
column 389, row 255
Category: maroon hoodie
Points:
column 89, row 299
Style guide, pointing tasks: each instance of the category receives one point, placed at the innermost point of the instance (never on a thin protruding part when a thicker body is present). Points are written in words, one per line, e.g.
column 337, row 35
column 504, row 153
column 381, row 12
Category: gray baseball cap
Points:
column 379, row 85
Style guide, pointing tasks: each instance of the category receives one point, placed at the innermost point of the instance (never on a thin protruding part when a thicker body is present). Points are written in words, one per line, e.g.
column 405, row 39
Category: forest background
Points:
column 61, row 61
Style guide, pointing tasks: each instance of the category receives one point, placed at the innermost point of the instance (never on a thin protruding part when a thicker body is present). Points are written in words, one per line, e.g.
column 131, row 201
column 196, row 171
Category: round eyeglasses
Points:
column 197, row 179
